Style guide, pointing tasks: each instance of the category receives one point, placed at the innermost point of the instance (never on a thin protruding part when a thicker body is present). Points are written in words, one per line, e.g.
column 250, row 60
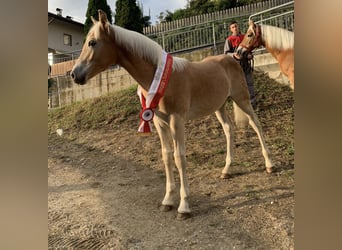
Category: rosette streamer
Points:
column 155, row 93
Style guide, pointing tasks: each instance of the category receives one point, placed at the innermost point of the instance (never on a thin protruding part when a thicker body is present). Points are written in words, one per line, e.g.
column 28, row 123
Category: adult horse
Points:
column 279, row 42
column 194, row 90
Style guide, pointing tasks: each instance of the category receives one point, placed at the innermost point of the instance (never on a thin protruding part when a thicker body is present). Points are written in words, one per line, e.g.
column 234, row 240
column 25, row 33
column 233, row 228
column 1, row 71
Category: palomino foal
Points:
column 279, row 42
column 195, row 89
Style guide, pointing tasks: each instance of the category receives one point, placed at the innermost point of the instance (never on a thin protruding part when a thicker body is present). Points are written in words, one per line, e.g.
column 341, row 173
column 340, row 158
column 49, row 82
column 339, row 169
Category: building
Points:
column 65, row 37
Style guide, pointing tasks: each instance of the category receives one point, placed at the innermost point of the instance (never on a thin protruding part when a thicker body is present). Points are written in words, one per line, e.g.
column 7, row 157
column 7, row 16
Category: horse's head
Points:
column 251, row 40
column 97, row 52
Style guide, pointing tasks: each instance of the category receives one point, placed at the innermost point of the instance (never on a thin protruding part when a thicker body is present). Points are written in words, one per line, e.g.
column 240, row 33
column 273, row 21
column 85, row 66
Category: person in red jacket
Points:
column 232, row 42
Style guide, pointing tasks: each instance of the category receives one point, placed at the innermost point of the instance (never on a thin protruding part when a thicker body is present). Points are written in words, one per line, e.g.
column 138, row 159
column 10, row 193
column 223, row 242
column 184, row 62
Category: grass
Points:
column 205, row 139
column 105, row 111
column 275, row 112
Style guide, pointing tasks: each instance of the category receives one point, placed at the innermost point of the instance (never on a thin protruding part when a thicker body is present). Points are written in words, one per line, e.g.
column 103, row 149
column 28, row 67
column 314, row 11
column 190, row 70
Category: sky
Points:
column 78, row 8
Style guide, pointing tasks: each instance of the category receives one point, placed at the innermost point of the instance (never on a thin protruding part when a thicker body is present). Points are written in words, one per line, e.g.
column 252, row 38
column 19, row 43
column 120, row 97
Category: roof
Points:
column 68, row 20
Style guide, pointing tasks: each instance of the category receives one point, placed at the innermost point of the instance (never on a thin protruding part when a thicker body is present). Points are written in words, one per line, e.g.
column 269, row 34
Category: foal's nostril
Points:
column 72, row 75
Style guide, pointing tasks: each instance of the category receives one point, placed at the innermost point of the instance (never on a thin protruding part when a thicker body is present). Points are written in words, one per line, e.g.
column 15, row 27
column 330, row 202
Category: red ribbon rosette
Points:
column 155, row 93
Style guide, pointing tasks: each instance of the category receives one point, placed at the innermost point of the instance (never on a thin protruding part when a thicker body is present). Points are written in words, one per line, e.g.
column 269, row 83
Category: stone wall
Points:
column 64, row 91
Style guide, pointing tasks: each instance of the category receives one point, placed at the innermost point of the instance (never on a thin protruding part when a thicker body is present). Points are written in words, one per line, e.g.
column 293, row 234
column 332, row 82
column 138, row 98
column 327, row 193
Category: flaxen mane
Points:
column 277, row 38
column 143, row 47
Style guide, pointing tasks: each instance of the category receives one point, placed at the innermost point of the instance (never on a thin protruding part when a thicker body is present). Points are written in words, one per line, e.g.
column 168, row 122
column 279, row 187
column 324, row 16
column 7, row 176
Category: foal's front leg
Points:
column 177, row 132
column 166, row 145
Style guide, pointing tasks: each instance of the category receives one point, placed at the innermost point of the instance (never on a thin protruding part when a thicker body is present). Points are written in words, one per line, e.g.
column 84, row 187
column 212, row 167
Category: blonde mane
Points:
column 144, row 47
column 277, row 38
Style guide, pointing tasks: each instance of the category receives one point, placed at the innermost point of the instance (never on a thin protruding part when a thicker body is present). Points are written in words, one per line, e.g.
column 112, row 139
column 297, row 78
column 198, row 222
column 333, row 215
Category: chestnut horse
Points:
column 195, row 89
column 279, row 42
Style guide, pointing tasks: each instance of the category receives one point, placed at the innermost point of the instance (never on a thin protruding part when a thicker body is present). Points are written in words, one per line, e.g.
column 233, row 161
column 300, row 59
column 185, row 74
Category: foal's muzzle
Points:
column 77, row 79
column 73, row 76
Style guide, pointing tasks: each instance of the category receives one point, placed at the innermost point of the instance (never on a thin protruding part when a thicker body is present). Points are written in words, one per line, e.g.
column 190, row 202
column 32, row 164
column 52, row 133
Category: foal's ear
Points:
column 102, row 17
column 104, row 21
column 250, row 22
column 93, row 19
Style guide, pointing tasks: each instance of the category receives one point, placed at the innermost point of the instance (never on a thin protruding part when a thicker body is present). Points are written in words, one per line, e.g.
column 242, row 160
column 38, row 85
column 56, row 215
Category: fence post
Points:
column 58, row 91
column 163, row 39
column 214, row 39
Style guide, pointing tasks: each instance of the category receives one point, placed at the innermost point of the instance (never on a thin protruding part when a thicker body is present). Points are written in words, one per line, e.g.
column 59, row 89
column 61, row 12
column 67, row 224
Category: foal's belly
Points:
column 205, row 107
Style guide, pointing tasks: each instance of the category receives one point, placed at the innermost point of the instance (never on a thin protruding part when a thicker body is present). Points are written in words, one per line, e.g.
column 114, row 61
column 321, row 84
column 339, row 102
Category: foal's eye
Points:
column 250, row 35
column 91, row 43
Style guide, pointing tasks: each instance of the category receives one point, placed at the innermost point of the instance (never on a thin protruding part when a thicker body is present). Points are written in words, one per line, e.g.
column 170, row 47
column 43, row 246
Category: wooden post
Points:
column 163, row 37
column 59, row 95
column 214, row 39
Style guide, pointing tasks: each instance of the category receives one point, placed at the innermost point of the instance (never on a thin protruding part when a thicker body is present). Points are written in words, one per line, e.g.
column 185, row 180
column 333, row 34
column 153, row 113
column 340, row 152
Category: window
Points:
column 67, row 40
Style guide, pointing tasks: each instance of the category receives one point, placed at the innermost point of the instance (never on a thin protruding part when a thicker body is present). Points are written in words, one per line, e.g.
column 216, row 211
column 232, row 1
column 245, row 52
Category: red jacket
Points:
column 235, row 40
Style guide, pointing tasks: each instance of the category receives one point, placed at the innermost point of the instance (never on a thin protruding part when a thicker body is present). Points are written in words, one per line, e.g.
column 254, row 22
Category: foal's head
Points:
column 97, row 52
column 251, row 40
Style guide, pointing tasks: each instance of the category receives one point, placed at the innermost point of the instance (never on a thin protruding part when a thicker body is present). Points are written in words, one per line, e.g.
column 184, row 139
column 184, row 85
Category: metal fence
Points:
column 212, row 33
column 58, row 58
column 281, row 16
column 212, row 17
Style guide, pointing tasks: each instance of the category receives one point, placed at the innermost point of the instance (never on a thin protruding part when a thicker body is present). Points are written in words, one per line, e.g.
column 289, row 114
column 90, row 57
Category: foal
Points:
column 195, row 89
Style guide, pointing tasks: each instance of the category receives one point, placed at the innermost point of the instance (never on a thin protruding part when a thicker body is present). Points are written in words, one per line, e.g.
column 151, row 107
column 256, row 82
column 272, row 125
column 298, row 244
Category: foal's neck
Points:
column 140, row 69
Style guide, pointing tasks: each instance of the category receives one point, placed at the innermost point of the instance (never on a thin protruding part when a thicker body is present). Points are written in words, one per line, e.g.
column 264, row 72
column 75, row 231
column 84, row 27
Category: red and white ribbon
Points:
column 155, row 93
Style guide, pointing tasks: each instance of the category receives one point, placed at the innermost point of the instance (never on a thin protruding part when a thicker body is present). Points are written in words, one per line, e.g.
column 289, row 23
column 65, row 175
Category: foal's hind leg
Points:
column 166, row 145
column 247, row 108
column 223, row 118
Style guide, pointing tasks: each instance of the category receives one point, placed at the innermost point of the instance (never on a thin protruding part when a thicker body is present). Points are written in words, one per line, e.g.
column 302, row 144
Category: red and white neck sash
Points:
column 155, row 93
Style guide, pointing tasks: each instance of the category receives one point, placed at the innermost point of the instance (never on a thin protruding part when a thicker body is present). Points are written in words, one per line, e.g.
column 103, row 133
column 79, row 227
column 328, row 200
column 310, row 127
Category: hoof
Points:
column 183, row 216
column 269, row 170
column 165, row 208
column 225, row 176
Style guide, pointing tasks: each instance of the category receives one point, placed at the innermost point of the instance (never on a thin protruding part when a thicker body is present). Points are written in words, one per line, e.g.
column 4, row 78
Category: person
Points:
column 231, row 44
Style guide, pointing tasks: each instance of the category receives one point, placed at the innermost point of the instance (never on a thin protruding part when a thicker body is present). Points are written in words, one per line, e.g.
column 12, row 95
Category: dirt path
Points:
column 104, row 193
column 106, row 184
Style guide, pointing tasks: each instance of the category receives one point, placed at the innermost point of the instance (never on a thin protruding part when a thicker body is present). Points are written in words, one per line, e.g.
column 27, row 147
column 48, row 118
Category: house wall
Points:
column 56, row 31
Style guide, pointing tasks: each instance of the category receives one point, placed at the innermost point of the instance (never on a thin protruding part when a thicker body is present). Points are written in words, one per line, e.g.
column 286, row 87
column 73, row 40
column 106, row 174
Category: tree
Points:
column 93, row 7
column 225, row 4
column 146, row 21
column 129, row 15
column 198, row 7
column 180, row 13
column 161, row 17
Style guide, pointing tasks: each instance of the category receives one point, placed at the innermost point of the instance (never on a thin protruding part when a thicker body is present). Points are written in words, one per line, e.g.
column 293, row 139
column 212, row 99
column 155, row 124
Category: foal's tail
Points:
column 241, row 120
